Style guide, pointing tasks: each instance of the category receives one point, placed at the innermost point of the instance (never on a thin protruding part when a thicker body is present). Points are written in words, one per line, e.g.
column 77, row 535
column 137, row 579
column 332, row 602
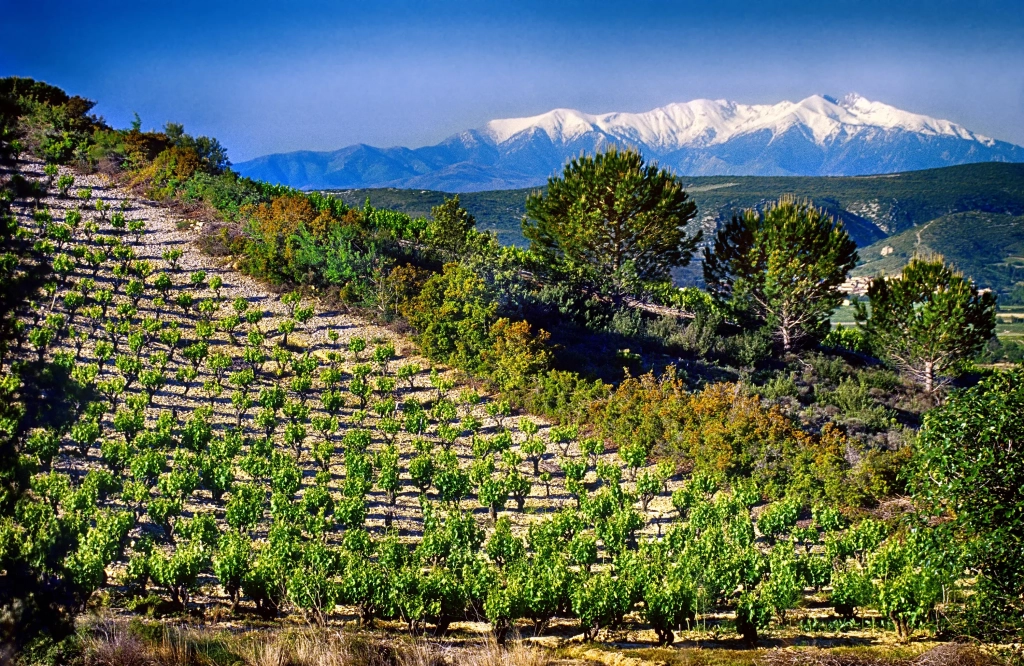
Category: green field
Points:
column 1010, row 323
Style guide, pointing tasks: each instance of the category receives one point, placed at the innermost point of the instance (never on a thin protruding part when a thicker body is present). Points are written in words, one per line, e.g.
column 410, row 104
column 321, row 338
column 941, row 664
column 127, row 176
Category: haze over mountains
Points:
column 818, row 136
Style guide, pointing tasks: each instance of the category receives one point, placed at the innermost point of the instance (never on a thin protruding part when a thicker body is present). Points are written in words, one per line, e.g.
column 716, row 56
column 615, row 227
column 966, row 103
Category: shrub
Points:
column 453, row 316
column 969, row 466
column 669, row 602
column 515, row 353
column 721, row 432
column 231, row 564
column 907, row 586
column 311, row 584
column 245, row 507
column 599, row 600
column 778, row 519
column 179, row 571
column 851, row 589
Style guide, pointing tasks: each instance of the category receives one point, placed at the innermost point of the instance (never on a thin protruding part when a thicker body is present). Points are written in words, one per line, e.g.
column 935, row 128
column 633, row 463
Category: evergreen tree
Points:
column 611, row 221
column 781, row 268
column 928, row 320
column 451, row 230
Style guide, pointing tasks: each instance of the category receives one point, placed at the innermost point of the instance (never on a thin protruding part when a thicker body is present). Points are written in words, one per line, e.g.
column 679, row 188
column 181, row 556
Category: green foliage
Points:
column 599, row 600
column 245, row 507
column 453, row 316
column 783, row 587
column 311, row 584
column 179, row 570
column 452, row 482
column 503, row 548
column 928, row 320
column 969, row 466
column 847, row 337
column 752, row 615
column 781, row 269
column 908, row 585
column 778, row 519
column 493, row 494
column 231, row 564
column 611, row 221
column 851, row 589
column 451, row 230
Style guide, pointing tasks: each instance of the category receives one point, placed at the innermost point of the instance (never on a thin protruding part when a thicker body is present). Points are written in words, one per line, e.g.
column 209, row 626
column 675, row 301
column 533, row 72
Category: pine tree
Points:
column 611, row 221
column 928, row 320
column 780, row 269
column 451, row 230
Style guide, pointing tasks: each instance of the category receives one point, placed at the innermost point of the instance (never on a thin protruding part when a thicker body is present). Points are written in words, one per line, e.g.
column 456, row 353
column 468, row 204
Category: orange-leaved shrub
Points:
column 516, row 353
column 168, row 171
column 724, row 432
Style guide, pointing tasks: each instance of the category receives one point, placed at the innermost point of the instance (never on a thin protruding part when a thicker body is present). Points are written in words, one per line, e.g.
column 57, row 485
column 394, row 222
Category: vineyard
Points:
column 199, row 429
column 231, row 448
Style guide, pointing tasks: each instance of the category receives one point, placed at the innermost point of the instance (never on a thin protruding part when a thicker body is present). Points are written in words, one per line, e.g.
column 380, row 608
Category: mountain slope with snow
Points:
column 818, row 136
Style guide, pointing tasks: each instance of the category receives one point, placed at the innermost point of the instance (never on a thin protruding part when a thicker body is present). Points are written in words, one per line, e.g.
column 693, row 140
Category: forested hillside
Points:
column 872, row 207
column 246, row 424
column 987, row 246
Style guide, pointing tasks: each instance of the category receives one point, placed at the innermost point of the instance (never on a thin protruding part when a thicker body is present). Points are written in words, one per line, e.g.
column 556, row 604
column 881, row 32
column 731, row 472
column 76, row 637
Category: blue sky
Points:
column 275, row 76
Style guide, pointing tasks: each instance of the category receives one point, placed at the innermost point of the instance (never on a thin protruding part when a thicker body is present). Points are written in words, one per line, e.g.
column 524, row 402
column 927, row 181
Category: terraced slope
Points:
column 239, row 454
column 166, row 364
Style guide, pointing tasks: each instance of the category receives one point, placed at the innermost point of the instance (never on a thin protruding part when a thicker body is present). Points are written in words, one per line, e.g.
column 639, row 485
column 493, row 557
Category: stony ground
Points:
column 166, row 230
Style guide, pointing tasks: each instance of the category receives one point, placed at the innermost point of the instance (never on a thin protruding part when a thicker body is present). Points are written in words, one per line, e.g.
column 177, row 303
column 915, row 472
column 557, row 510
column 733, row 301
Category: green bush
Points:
column 599, row 600
column 777, row 519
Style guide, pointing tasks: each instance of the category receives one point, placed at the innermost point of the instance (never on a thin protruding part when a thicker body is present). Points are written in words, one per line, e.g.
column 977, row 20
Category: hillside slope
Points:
column 987, row 246
column 872, row 207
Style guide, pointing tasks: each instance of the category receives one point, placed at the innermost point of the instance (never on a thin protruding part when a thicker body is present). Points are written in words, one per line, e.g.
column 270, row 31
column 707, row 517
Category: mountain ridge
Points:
column 818, row 136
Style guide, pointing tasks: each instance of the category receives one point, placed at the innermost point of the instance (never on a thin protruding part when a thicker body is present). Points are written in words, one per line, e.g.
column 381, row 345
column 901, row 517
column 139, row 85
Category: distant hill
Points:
column 817, row 136
column 872, row 207
column 989, row 247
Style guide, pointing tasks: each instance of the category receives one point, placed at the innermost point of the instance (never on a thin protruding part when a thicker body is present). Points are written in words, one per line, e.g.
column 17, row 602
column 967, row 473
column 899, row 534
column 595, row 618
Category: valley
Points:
column 976, row 208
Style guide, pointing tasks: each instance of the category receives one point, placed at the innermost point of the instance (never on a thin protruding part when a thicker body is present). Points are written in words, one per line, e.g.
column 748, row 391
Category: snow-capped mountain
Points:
column 818, row 136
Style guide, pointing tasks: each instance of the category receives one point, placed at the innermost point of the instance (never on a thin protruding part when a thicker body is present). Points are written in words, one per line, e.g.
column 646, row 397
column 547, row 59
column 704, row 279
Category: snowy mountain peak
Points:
column 848, row 100
column 817, row 136
column 558, row 124
column 704, row 122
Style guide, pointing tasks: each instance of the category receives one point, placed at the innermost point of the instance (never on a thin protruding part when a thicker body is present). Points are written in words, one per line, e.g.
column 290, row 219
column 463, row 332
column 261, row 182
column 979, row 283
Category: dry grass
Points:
column 950, row 654
column 514, row 653
column 115, row 643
